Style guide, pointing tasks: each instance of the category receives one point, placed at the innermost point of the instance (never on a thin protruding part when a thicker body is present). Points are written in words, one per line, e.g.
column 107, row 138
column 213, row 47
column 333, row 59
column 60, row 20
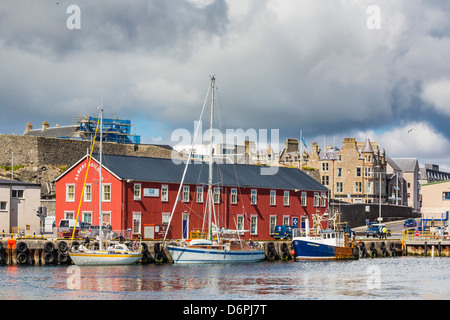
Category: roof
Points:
column 407, row 164
column 236, row 175
column 55, row 132
column 367, row 147
column 18, row 183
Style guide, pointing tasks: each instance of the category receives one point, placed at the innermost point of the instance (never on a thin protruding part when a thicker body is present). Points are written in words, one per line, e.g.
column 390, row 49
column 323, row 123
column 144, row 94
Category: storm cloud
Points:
column 311, row 65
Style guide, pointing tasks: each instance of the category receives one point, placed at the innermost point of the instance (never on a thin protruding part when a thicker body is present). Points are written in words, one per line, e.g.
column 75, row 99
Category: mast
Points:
column 100, row 180
column 210, row 176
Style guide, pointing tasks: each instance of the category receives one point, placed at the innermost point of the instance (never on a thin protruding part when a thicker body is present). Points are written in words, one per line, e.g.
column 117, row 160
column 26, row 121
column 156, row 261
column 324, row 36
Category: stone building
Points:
column 352, row 174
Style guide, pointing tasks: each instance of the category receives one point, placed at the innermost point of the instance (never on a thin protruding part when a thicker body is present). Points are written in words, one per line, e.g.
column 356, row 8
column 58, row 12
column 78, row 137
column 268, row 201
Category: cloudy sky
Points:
column 330, row 68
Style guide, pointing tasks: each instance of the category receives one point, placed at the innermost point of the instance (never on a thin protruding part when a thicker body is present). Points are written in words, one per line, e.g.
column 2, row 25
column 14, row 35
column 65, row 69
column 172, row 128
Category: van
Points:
column 283, row 232
column 66, row 228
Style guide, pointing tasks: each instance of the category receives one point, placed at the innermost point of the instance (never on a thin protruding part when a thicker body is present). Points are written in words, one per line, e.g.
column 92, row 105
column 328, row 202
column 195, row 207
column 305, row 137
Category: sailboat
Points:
column 217, row 248
column 116, row 254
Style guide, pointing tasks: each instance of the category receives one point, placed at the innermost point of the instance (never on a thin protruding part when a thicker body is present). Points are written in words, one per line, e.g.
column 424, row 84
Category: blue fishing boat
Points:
column 327, row 245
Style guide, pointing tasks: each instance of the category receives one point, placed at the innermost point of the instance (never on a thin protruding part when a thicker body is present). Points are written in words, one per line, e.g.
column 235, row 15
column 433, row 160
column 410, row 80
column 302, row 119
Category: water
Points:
column 377, row 279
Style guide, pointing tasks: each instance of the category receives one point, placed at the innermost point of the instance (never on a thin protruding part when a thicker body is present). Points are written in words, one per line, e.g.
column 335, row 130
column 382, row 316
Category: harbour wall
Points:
column 39, row 251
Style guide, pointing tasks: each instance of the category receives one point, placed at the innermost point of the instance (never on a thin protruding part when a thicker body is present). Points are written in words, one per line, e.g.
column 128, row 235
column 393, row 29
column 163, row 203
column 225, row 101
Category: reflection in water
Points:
column 394, row 278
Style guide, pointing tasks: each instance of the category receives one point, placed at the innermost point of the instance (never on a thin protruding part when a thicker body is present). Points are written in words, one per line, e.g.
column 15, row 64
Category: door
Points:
column 185, row 226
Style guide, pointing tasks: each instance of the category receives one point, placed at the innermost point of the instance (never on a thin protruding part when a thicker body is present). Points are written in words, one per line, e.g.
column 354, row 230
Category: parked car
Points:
column 106, row 232
column 440, row 232
column 66, row 227
column 410, row 223
column 283, row 232
column 375, row 229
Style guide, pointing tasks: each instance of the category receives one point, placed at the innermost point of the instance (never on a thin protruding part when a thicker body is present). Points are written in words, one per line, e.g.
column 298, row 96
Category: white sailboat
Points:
column 117, row 254
column 221, row 249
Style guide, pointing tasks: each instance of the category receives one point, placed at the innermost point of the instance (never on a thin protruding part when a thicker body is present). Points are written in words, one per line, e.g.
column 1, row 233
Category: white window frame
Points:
column 323, row 199
column 200, row 192
column 272, row 224
column 84, row 214
column 164, row 193
column 137, row 191
column 254, row 225
column 87, row 193
column 186, row 191
column 304, row 199
column 137, row 217
column 104, row 193
column 273, row 197
column 286, row 198
column 254, row 197
column 69, row 214
column 216, row 196
column 240, row 222
column 316, row 199
column 70, row 198
column 233, row 196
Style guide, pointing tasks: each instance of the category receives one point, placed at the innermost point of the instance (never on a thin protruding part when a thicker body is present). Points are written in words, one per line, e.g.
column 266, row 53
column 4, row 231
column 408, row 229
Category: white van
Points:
column 48, row 224
column 66, row 226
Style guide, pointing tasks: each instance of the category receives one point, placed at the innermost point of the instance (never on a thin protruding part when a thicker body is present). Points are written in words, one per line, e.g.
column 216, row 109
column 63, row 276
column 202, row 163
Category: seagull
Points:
column 410, row 130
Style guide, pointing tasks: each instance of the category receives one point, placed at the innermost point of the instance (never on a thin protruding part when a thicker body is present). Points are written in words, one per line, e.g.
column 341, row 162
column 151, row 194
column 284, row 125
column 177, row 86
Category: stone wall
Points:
column 356, row 214
column 39, row 151
column 41, row 160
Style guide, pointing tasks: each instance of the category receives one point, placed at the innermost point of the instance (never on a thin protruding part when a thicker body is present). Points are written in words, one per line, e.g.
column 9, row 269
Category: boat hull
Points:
column 104, row 258
column 310, row 250
column 202, row 255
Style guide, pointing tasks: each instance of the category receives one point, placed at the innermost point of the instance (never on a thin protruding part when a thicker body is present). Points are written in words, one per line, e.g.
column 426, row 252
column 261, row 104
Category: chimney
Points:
column 28, row 127
column 45, row 126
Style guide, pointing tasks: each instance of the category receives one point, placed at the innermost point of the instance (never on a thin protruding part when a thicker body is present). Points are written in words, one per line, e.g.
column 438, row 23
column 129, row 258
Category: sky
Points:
column 331, row 69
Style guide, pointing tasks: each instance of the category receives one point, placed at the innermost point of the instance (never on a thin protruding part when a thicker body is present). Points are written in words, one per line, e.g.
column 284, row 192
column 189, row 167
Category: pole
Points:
column 210, row 177
column 100, row 180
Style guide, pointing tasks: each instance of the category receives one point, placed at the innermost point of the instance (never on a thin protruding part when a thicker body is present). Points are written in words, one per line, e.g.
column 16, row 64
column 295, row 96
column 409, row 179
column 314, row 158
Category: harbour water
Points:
column 421, row 278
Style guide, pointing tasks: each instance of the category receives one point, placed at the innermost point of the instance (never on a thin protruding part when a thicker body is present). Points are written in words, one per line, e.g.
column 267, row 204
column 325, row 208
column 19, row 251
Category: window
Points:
column 316, row 199
column 106, row 218
column 445, row 195
column 368, row 171
column 286, row 198
column 368, row 187
column 240, row 222
column 165, row 217
column 339, row 172
column 87, row 217
column 272, row 224
column 254, row 225
column 339, row 187
column 3, row 205
column 69, row 215
column 164, row 193
column 325, row 166
column 106, row 194
column 233, row 196
column 358, row 187
column 273, row 198
column 70, row 193
column 87, row 193
column 286, row 220
column 325, row 180
column 137, row 191
column 136, row 222
column 185, row 194
column 339, row 158
column 17, row 194
column 323, row 199
column 199, row 194
column 304, row 198
column 216, row 195
column 254, row 197
column 358, row 171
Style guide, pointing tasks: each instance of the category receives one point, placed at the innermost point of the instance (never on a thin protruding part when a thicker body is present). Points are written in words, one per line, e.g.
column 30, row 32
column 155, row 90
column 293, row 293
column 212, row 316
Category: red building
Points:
column 139, row 193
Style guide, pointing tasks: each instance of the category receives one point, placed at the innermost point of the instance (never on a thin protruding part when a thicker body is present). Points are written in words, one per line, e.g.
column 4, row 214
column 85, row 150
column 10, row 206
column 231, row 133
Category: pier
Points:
column 40, row 251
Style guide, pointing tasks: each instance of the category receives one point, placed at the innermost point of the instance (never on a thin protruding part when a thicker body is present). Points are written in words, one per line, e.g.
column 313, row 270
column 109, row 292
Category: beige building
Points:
column 353, row 173
column 19, row 202
column 435, row 199
column 410, row 173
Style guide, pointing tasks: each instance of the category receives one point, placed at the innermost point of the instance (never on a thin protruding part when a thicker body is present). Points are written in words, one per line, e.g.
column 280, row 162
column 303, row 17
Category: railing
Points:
column 416, row 235
column 55, row 233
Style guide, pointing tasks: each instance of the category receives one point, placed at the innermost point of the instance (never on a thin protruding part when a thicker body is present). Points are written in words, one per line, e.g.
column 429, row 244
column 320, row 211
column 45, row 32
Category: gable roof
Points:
column 234, row 175
column 407, row 164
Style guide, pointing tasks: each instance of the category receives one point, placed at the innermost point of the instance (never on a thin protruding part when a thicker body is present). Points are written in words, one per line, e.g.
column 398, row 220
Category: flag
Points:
column 304, row 143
